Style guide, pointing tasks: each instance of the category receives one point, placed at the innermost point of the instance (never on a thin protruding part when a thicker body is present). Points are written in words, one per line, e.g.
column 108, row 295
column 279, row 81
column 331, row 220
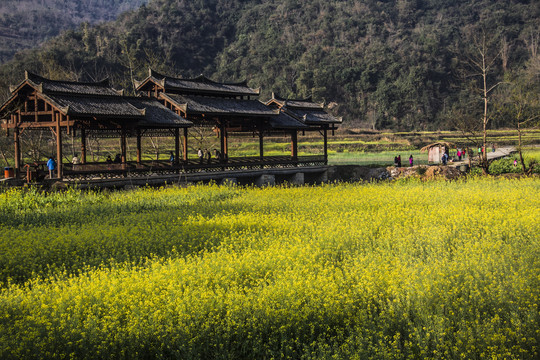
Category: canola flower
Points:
column 406, row 270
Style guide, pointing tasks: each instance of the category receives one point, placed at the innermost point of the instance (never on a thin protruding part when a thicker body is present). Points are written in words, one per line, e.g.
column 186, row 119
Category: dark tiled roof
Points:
column 148, row 112
column 219, row 106
column 313, row 117
column 200, row 85
column 99, row 100
column 157, row 115
column 68, row 87
column 116, row 106
column 305, row 110
column 284, row 121
column 295, row 103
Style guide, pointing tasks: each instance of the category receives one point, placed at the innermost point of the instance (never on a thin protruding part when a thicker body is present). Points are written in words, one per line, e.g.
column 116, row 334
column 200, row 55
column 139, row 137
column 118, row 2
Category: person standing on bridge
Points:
column 200, row 155
column 51, row 165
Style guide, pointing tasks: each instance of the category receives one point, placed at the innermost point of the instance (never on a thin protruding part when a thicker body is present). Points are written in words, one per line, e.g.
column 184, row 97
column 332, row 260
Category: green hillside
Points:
column 382, row 64
column 27, row 23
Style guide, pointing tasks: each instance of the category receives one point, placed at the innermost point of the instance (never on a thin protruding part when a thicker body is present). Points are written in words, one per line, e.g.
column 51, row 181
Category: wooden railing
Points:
column 151, row 168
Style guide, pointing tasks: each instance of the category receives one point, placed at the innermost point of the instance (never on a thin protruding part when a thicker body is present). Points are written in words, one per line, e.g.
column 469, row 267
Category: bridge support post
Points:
column 229, row 181
column 297, row 179
column 265, row 180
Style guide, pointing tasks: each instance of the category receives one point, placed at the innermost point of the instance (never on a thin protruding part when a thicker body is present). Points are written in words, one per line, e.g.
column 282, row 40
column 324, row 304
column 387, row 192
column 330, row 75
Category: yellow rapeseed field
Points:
column 406, row 270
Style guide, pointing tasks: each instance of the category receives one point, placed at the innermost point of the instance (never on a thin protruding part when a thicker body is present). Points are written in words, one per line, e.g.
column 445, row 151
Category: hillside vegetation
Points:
column 383, row 64
column 27, row 23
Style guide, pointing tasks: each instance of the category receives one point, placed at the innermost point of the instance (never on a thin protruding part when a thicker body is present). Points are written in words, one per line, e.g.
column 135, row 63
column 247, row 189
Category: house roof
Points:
column 304, row 110
column 437, row 144
column 234, row 107
column 200, row 85
column 284, row 121
column 70, row 87
column 90, row 106
column 156, row 114
column 98, row 100
column 295, row 103
column 218, row 106
column 313, row 117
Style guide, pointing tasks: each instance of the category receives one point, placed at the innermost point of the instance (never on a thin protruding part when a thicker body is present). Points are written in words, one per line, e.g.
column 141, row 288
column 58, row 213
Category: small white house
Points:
column 436, row 151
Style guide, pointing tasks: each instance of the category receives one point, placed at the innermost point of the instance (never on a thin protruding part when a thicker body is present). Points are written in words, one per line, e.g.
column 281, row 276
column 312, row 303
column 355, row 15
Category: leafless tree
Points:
column 479, row 65
column 520, row 101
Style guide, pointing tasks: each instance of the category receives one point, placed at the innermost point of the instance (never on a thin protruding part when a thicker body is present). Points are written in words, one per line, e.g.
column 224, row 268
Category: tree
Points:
column 480, row 62
column 520, row 102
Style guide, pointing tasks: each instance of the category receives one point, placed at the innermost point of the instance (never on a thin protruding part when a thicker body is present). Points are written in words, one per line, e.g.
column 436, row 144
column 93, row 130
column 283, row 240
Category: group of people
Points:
column 397, row 161
column 52, row 166
column 206, row 155
column 117, row 159
column 482, row 150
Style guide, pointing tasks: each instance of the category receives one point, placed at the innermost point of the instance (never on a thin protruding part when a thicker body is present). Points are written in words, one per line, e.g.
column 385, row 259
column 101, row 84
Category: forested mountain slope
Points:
column 391, row 64
column 27, row 23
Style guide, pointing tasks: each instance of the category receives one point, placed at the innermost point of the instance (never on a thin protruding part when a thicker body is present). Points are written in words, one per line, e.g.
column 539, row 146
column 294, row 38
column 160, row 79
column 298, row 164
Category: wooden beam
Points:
column 325, row 135
column 139, row 147
column 185, row 154
column 17, row 152
column 83, row 146
column 123, row 145
column 32, row 113
column 294, row 145
column 41, row 124
column 59, row 165
column 176, row 146
column 222, row 141
column 261, row 144
column 36, row 109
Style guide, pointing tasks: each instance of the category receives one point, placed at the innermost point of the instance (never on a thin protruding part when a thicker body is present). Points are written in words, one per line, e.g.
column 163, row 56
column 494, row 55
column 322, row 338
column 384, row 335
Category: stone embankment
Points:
column 354, row 173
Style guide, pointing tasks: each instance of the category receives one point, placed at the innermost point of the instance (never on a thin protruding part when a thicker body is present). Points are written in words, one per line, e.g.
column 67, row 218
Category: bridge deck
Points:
column 93, row 171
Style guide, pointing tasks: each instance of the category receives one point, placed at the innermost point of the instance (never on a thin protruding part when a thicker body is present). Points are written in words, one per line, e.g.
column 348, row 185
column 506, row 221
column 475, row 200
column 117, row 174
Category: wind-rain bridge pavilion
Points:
column 167, row 106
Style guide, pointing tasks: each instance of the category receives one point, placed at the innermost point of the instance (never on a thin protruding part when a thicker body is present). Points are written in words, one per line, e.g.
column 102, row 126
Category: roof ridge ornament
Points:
column 155, row 74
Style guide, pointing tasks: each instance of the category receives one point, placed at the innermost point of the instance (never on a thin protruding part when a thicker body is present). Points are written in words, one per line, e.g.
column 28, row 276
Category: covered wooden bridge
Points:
column 167, row 107
column 233, row 108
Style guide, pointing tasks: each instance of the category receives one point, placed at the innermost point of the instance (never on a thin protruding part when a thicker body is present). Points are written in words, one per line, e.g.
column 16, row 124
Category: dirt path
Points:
column 491, row 155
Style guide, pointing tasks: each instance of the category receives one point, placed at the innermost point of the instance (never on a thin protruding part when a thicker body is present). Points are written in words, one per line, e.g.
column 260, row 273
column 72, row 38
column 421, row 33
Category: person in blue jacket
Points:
column 51, row 165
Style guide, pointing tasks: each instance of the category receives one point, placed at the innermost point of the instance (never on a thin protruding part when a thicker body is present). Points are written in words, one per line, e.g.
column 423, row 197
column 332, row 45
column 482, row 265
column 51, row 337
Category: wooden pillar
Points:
column 185, row 144
column 261, row 147
column 176, row 146
column 123, row 145
column 17, row 151
column 36, row 108
column 139, row 147
column 226, row 139
column 222, row 140
column 83, row 146
column 294, row 145
column 325, row 135
column 59, row 165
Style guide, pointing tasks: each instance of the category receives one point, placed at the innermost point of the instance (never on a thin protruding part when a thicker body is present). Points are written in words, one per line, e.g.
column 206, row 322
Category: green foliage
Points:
column 386, row 64
column 504, row 166
column 27, row 23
